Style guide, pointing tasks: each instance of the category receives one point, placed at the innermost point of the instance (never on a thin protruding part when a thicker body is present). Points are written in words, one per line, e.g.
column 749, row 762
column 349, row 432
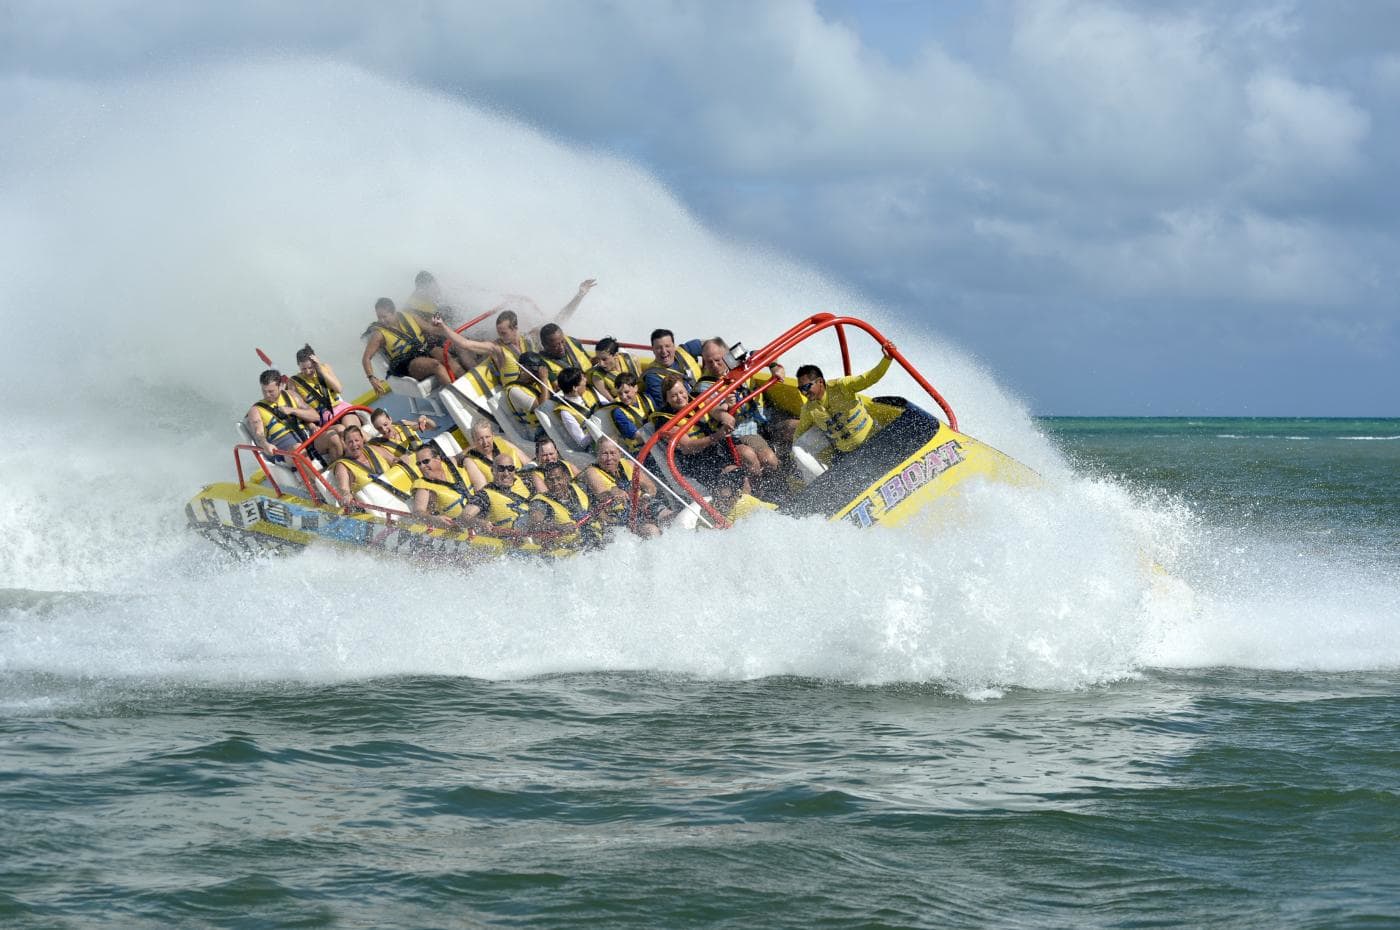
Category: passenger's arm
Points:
column 422, row 503
column 341, row 474
column 372, row 346
column 574, row 427
column 568, row 309
column 480, row 347
column 255, row 426
column 328, row 376
column 861, row 382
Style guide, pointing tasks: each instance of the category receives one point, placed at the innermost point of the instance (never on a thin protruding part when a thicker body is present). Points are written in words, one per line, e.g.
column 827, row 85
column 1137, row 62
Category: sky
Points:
column 1120, row 208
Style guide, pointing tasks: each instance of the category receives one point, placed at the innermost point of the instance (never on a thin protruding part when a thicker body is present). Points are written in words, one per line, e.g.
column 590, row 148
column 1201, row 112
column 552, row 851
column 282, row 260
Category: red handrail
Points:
column 447, row 349
column 353, row 408
column 673, row 429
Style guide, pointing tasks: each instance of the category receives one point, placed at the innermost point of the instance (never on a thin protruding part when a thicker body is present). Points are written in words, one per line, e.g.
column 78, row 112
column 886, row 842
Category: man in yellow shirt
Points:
column 835, row 407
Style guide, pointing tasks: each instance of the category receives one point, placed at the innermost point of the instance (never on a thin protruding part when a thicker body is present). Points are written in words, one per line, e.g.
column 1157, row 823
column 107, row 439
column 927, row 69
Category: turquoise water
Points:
column 1212, row 742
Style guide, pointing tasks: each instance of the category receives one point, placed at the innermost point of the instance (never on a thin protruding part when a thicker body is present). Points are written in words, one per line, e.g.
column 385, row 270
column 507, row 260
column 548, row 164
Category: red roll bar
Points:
column 673, row 429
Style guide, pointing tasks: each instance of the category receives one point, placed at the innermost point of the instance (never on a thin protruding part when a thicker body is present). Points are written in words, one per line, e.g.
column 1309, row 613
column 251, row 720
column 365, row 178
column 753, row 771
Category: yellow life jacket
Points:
column 524, row 413
column 569, row 512
column 567, row 408
column 509, row 369
column 598, row 374
column 574, row 357
column 412, row 441
column 316, row 392
column 277, row 427
column 686, row 364
column 746, row 505
column 404, row 341
column 503, row 508
column 448, row 497
column 617, row 510
column 639, row 414
column 359, row 474
column 498, row 446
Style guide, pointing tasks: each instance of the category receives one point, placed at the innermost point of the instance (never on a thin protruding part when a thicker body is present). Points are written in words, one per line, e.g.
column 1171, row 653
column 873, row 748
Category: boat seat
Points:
column 378, row 495
column 410, row 387
column 805, row 463
column 549, row 421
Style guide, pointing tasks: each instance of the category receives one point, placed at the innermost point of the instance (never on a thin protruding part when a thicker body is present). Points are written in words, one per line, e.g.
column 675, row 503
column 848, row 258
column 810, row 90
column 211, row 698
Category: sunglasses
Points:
column 423, row 462
column 807, row 388
column 505, row 467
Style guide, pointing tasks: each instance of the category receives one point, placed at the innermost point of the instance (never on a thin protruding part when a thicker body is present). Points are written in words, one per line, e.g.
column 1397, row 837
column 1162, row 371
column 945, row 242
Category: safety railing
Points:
column 702, row 405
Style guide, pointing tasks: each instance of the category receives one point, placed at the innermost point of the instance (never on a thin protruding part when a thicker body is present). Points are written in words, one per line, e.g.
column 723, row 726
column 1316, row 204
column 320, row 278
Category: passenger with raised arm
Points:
column 835, row 407
column 564, row 507
column 609, row 361
column 573, row 406
column 510, row 343
column 705, row 449
column 360, row 464
column 399, row 440
column 669, row 358
column 316, row 383
column 406, row 347
column 483, row 445
column 546, row 453
column 749, row 415
column 610, row 479
column 441, row 491
column 503, row 504
column 629, row 412
column 281, row 421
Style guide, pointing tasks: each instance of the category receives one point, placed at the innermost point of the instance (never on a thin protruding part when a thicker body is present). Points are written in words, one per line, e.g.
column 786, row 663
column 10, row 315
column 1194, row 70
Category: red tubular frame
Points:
column 673, row 429
column 447, row 346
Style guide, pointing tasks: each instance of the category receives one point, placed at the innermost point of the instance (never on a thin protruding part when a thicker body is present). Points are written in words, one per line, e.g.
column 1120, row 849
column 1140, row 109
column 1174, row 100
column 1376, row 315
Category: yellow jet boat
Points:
column 911, row 458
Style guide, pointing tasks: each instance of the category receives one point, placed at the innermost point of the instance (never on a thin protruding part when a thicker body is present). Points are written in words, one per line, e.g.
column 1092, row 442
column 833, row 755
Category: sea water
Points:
column 1159, row 688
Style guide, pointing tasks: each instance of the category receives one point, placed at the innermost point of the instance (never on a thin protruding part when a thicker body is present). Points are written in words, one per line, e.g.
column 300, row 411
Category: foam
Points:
column 268, row 203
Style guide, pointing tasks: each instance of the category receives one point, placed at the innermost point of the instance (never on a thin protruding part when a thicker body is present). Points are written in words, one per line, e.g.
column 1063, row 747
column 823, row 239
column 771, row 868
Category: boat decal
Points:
column 914, row 475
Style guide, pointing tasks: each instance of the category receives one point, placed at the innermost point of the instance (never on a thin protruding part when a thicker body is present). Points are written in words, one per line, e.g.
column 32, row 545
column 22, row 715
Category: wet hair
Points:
column 662, row 334
column 378, row 412
column 304, row 353
column 354, row 428
column 625, row 379
column 810, row 370
column 423, row 278
column 384, row 303
column 570, row 378
column 553, row 467
column 669, row 382
column 607, row 345
column 508, row 316
column 269, row 376
column 548, row 330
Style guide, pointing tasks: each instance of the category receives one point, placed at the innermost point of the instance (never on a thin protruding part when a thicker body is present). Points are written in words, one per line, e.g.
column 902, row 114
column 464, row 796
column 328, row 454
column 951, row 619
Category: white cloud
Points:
column 1300, row 131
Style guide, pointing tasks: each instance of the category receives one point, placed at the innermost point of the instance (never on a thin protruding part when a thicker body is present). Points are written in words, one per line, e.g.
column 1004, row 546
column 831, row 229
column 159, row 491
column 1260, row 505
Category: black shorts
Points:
column 399, row 369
